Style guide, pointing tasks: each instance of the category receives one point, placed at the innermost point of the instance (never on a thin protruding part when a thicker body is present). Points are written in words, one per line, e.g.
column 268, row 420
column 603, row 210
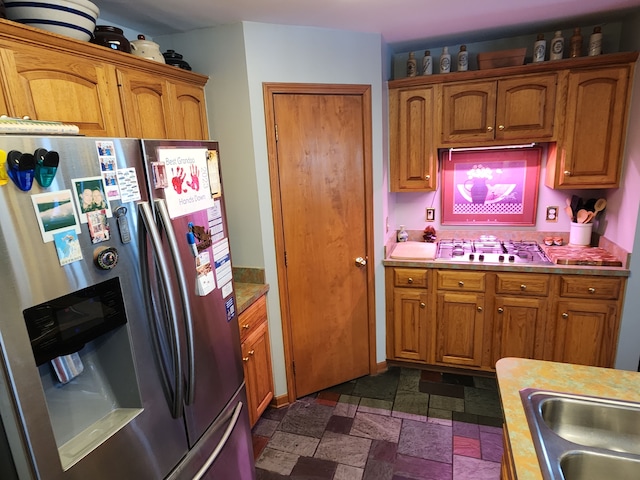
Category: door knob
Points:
column 360, row 262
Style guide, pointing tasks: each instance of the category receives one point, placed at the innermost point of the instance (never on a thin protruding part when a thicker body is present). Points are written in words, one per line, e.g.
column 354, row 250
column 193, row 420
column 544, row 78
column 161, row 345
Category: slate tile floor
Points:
column 399, row 425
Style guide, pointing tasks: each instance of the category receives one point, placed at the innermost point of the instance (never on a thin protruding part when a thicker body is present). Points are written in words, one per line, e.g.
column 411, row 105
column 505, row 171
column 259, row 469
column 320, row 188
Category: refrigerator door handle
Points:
column 165, row 220
column 151, row 232
column 221, row 444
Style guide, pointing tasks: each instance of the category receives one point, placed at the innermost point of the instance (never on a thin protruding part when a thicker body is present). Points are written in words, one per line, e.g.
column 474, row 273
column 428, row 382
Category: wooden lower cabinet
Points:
column 507, row 469
column 471, row 319
column 256, row 357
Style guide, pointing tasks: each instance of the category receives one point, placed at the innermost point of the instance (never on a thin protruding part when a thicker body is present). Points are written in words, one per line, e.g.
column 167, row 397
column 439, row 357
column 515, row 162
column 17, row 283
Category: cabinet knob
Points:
column 591, row 290
column 422, row 305
column 500, row 310
column 523, row 287
column 489, row 129
column 409, row 280
column 251, row 352
column 565, row 315
column 461, row 283
column 245, row 359
column 246, row 326
column 500, row 127
column 480, row 309
column 567, row 173
column 427, row 177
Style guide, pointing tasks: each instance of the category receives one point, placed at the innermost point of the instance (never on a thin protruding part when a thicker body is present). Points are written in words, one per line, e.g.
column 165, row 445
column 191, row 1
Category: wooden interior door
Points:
column 320, row 156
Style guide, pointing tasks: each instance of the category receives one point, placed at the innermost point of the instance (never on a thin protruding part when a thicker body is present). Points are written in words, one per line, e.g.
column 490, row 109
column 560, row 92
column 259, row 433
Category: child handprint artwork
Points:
column 195, row 179
column 178, row 176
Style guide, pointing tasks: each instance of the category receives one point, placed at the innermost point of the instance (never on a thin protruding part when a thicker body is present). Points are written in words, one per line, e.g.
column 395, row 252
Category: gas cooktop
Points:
column 488, row 249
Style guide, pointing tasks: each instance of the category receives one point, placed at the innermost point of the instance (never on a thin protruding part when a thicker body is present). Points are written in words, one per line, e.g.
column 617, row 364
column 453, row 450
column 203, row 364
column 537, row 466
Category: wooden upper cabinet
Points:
column 56, row 86
column 589, row 152
column 414, row 152
column 146, row 104
column 190, row 112
column 105, row 92
column 520, row 109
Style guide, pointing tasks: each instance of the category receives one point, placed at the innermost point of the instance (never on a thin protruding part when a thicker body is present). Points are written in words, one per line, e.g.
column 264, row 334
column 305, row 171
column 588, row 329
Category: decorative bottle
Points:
column 463, row 59
column 403, row 235
column 445, row 60
column 427, row 63
column 576, row 43
column 595, row 42
column 539, row 49
column 411, row 65
column 557, row 47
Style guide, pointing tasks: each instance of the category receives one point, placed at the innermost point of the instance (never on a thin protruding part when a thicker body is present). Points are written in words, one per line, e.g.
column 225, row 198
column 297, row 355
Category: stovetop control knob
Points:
column 481, row 257
column 471, row 256
column 512, row 258
column 501, row 258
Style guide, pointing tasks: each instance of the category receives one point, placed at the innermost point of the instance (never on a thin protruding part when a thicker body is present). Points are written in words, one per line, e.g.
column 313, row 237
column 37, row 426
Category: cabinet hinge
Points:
column 285, row 259
column 276, row 126
column 293, row 366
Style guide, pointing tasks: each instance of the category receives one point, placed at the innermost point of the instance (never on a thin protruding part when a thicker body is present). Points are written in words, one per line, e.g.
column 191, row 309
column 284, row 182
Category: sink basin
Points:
column 582, row 437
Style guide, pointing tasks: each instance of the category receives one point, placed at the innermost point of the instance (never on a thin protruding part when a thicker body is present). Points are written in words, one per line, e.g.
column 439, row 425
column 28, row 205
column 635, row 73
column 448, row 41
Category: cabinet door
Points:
column 526, row 108
column 590, row 152
column 459, row 328
column 147, row 104
column 519, row 327
column 410, row 325
column 413, row 150
column 468, row 112
column 190, row 112
column 585, row 332
column 256, row 356
column 62, row 87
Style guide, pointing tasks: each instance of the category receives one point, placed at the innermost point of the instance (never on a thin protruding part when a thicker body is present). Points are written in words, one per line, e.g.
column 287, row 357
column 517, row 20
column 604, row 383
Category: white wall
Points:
column 239, row 59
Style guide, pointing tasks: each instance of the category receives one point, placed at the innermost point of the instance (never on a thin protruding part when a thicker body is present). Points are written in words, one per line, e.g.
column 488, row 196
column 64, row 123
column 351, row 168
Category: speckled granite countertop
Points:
column 247, row 293
column 515, row 374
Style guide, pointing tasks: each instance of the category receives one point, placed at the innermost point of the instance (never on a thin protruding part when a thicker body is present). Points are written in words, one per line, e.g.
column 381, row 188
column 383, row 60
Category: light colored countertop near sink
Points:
column 515, row 374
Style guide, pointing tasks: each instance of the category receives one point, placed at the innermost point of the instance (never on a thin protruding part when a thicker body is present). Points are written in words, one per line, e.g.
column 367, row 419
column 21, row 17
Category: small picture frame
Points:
column 431, row 214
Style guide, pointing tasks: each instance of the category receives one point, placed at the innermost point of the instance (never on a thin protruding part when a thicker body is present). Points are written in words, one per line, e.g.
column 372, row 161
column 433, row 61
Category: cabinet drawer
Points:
column 252, row 317
column 410, row 277
column 461, row 281
column 522, row 284
column 590, row 287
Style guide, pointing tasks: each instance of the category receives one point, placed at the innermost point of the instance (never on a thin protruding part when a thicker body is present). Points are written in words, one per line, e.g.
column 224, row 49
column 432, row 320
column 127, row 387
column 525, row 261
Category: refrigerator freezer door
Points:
column 217, row 369
column 42, row 416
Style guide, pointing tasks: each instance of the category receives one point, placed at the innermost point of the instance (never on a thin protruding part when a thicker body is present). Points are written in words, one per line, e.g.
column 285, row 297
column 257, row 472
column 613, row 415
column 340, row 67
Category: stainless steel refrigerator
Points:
column 118, row 329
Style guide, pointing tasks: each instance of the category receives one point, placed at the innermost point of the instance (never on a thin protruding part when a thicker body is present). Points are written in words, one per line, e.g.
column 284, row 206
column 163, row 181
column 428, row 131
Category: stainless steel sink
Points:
column 582, row 437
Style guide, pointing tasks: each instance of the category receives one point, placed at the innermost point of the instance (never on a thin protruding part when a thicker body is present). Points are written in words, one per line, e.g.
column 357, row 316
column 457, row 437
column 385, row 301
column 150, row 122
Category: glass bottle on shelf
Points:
column 576, row 43
column 411, row 65
column 403, row 235
column 427, row 63
column 445, row 60
column 539, row 49
column 595, row 42
column 463, row 59
column 557, row 47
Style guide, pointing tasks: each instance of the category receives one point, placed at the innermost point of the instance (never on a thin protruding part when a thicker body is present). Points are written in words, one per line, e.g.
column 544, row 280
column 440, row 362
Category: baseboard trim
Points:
column 382, row 367
column 280, row 402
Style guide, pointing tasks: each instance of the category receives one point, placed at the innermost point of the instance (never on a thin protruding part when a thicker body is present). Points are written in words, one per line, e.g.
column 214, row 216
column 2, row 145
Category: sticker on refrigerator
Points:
column 128, row 183
column 188, row 189
column 222, row 260
column 90, row 196
column 98, row 226
column 67, row 246
column 205, row 282
column 55, row 213
column 108, row 168
column 159, row 171
column 230, row 307
column 215, row 185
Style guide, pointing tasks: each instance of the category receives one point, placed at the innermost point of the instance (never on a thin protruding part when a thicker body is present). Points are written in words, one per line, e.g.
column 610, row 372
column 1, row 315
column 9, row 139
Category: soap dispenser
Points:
column 403, row 236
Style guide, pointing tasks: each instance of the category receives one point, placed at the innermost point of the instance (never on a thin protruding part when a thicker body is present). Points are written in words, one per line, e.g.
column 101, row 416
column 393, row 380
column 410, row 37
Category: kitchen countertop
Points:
column 515, row 374
column 514, row 267
column 247, row 293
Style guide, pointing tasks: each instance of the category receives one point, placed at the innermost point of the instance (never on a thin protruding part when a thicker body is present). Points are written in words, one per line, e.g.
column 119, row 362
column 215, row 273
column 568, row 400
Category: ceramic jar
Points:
column 111, row 37
column 171, row 57
column 146, row 49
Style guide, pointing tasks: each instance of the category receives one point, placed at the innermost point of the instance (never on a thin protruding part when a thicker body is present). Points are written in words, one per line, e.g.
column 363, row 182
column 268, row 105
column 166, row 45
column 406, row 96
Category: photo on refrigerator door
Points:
column 90, row 196
column 55, row 213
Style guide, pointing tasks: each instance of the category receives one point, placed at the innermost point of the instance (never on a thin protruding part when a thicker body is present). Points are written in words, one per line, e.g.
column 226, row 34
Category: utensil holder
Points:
column 580, row 234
